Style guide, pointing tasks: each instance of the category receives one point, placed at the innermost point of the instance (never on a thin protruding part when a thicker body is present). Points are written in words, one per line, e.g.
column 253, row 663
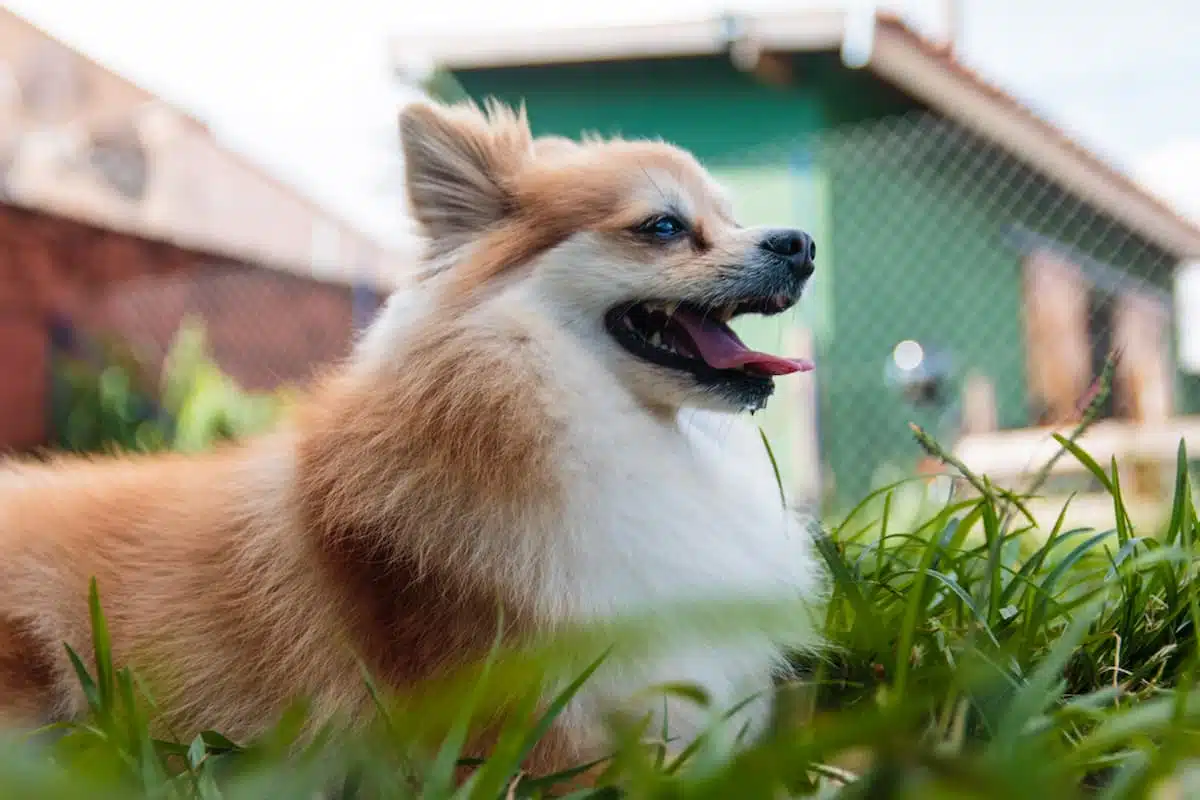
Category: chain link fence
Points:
column 968, row 293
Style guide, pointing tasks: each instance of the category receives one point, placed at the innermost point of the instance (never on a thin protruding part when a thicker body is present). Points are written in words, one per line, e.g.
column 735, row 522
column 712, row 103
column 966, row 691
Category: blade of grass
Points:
column 102, row 649
column 912, row 619
column 1040, row 690
column 505, row 771
column 440, row 778
column 774, row 467
column 1037, row 618
column 846, row 583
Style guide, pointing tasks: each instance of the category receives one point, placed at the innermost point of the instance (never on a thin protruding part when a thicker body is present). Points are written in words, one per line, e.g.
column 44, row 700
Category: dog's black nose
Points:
column 796, row 246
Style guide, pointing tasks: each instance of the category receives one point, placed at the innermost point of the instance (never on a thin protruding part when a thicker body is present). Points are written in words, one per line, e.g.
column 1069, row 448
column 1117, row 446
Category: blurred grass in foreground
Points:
column 970, row 657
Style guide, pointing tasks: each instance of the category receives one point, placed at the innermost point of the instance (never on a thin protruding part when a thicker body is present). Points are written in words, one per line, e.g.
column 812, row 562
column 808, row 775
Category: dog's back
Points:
column 204, row 585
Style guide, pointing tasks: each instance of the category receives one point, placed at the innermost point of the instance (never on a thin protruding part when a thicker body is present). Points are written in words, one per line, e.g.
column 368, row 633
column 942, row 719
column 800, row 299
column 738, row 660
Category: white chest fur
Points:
column 662, row 514
column 674, row 512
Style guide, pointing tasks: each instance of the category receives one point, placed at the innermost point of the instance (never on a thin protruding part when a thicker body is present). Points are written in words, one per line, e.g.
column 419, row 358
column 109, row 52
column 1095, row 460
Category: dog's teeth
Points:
column 670, row 308
column 656, row 339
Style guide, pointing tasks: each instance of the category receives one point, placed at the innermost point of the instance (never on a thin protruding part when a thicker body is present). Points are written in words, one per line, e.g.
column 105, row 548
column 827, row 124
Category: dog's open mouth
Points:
column 685, row 336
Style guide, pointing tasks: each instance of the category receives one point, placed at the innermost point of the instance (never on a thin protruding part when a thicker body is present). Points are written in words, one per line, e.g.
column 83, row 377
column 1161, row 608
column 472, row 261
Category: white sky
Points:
column 303, row 86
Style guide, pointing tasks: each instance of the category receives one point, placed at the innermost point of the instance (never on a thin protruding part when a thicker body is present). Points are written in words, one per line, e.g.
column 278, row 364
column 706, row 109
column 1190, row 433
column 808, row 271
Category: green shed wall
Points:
column 703, row 104
column 914, row 262
column 927, row 221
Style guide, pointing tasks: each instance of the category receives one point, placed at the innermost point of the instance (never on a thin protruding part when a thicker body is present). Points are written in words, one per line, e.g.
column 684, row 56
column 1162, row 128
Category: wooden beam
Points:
column 1024, row 451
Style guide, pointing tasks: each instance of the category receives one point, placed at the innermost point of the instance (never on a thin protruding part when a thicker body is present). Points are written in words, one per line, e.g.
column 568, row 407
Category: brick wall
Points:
column 24, row 383
column 265, row 327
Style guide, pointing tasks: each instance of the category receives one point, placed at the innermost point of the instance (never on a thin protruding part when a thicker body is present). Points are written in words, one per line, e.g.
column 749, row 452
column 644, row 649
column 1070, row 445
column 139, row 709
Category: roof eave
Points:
column 793, row 32
column 958, row 97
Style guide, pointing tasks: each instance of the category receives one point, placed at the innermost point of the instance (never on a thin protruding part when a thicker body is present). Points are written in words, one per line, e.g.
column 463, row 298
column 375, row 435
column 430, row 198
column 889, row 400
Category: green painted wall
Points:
column 703, row 104
column 923, row 215
column 914, row 262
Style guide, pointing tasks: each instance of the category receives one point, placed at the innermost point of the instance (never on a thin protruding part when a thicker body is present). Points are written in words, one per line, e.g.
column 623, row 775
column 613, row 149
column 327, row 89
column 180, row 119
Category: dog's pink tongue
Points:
column 721, row 348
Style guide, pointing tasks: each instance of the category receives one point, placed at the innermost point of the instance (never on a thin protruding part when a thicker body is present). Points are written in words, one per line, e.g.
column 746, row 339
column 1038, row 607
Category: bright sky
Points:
column 304, row 87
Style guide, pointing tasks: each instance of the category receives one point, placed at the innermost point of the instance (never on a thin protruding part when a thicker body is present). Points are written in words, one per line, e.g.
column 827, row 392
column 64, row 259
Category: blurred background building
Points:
column 120, row 216
column 979, row 257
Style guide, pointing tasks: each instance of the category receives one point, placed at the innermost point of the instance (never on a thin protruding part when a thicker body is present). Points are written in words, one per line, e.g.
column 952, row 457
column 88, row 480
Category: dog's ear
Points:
column 459, row 165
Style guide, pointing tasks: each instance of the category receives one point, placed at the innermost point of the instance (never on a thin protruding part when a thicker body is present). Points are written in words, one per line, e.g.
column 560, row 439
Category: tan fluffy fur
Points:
column 415, row 489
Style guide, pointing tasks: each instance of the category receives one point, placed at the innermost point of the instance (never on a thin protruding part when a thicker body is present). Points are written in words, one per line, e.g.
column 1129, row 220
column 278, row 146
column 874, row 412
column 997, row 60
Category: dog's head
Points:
column 630, row 245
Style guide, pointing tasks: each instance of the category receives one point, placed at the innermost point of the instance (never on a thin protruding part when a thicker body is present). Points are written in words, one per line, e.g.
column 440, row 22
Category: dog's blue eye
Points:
column 663, row 227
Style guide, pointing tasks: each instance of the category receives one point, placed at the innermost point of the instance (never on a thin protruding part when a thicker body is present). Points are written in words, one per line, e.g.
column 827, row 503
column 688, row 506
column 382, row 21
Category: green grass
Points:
column 970, row 657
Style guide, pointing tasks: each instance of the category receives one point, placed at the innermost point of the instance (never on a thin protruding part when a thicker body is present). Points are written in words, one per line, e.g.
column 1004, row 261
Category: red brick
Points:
column 23, row 395
column 265, row 327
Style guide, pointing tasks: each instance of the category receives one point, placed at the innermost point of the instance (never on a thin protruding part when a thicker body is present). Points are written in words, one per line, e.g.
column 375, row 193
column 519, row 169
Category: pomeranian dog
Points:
column 546, row 421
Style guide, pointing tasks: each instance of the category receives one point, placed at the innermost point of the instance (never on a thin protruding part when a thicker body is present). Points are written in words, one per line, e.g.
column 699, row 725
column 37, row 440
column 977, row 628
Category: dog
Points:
column 547, row 419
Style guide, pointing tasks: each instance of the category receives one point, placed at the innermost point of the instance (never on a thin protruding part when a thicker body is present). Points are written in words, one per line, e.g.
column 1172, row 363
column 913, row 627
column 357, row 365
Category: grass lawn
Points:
column 971, row 657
